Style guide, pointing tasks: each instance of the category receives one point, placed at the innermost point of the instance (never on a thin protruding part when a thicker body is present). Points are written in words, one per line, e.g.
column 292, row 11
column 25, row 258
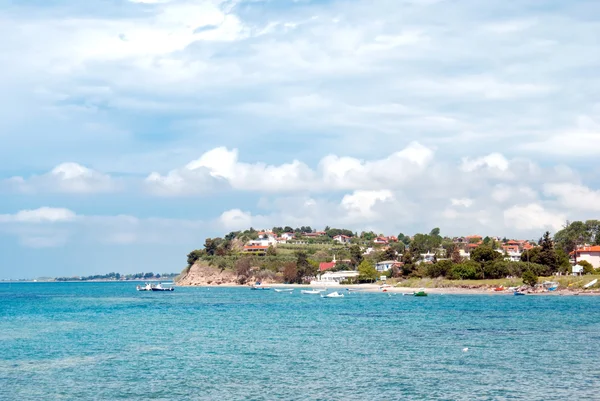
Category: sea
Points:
column 106, row 341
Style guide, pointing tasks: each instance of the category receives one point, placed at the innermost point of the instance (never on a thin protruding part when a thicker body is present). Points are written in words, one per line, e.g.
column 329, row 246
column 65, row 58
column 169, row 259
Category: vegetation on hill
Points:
column 298, row 259
column 118, row 276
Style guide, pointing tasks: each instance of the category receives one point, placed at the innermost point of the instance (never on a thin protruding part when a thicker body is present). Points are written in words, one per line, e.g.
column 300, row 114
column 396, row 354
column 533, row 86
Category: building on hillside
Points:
column 256, row 249
column 381, row 241
column 288, row 236
column 265, row 240
column 590, row 254
column 342, row 239
column 387, row 265
column 315, row 234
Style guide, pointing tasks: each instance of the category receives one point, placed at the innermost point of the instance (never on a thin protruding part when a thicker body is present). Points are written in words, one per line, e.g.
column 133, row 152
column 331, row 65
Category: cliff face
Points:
column 203, row 274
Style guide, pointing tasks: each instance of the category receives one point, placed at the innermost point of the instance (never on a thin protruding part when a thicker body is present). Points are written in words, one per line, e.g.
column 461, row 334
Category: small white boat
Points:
column 333, row 295
column 354, row 289
column 310, row 291
column 591, row 283
column 146, row 287
column 159, row 287
column 283, row 289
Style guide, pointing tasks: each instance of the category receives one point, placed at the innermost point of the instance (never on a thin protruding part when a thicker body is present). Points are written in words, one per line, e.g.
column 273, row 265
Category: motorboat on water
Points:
column 518, row 293
column 420, row 293
column 146, row 287
column 334, row 294
column 354, row 289
column 283, row 289
column 258, row 286
column 311, row 291
column 159, row 287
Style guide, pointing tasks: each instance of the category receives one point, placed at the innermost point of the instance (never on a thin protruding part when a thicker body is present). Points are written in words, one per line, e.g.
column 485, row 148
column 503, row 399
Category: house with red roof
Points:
column 342, row 239
column 590, row 254
column 381, row 241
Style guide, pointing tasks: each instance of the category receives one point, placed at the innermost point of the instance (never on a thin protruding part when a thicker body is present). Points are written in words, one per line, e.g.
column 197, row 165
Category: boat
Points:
column 518, row 293
column 146, row 287
column 354, row 289
column 501, row 288
column 258, row 286
column 159, row 287
column 420, row 293
column 591, row 283
column 311, row 291
column 283, row 289
column 334, row 294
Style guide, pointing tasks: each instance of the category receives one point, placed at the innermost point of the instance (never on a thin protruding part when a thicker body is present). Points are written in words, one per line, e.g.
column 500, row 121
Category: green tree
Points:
column 587, row 267
column 193, row 256
column 439, row 269
column 572, row 235
column 290, row 272
column 485, row 253
column 367, row 272
column 529, row 278
column 271, row 251
column 455, row 256
column 387, row 254
column 356, row 254
column 547, row 255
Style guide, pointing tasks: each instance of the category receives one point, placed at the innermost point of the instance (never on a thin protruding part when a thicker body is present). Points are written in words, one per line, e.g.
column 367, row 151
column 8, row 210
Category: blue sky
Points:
column 132, row 130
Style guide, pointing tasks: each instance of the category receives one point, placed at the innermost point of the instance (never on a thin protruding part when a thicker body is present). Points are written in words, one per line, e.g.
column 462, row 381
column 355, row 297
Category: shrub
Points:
column 464, row 271
column 439, row 269
column 587, row 267
column 529, row 278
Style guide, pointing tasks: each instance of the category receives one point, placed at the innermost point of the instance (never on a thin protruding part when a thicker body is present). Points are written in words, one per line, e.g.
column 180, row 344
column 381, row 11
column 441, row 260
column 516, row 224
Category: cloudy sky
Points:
column 132, row 129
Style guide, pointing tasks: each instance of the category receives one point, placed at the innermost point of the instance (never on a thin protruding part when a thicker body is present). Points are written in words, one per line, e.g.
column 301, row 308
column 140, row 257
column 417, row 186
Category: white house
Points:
column 385, row 265
column 264, row 239
column 287, row 236
column 342, row 239
column 334, row 278
column 590, row 254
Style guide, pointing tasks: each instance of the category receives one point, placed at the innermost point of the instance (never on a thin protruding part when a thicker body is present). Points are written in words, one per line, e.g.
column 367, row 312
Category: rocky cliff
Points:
column 202, row 274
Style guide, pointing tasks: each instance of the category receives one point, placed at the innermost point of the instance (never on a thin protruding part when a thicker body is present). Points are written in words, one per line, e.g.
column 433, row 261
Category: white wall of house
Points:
column 592, row 257
column 384, row 266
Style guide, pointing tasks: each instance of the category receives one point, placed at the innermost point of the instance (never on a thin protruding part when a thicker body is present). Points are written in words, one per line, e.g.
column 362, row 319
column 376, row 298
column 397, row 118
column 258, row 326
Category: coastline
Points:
column 373, row 288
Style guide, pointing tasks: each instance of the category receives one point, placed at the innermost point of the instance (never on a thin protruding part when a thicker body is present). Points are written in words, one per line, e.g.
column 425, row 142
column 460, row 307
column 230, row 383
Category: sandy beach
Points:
column 411, row 290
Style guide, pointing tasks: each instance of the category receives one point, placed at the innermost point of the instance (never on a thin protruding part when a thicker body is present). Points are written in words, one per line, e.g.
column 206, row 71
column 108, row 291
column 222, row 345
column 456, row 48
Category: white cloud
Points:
column 333, row 173
column 492, row 161
column 235, row 219
column 574, row 196
column 66, row 177
column 464, row 202
column 41, row 215
column 360, row 204
column 533, row 216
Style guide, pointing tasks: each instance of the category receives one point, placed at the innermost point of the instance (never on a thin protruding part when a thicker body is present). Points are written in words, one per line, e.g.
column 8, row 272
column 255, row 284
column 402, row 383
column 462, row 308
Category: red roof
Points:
column 341, row 235
column 473, row 236
column 326, row 265
column 595, row 248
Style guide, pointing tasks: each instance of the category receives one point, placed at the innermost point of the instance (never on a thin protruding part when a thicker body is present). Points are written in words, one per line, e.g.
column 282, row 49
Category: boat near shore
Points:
column 333, row 295
column 283, row 289
column 152, row 287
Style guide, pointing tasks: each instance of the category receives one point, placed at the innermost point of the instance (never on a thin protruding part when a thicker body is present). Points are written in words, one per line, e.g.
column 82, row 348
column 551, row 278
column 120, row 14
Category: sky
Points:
column 131, row 130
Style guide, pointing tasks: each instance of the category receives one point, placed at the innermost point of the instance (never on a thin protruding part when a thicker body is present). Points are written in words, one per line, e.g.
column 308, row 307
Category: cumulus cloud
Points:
column 67, row 178
column 41, row 215
column 574, row 196
column 221, row 165
column 533, row 216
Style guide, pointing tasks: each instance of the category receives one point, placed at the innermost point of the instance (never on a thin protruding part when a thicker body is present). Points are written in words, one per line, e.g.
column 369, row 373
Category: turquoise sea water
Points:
column 105, row 341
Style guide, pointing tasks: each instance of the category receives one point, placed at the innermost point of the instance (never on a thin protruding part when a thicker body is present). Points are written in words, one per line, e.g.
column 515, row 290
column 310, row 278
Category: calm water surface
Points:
column 105, row 341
